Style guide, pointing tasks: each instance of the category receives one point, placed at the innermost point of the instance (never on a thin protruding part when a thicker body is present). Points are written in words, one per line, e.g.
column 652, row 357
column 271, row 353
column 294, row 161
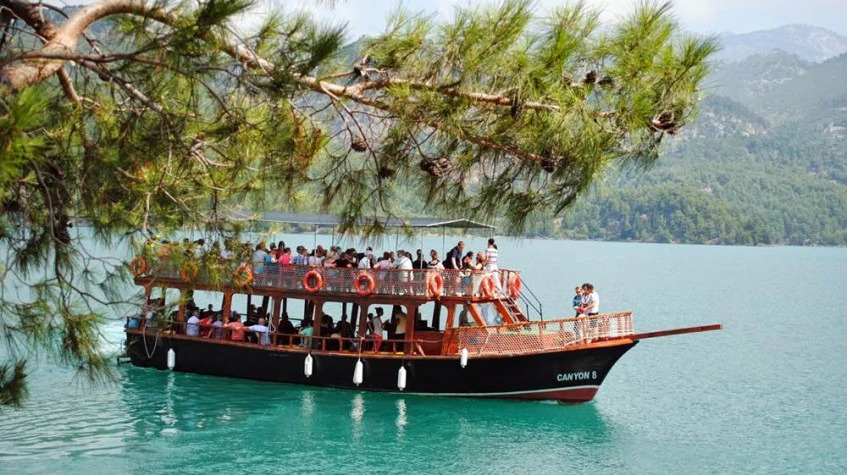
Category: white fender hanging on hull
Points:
column 401, row 378
column 358, row 373
column 307, row 366
column 171, row 358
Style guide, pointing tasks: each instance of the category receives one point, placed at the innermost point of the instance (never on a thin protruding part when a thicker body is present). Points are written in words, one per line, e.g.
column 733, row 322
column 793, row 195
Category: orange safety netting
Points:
column 534, row 337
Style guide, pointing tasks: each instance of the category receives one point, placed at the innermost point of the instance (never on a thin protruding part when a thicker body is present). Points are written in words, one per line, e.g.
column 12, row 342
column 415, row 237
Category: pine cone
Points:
column 359, row 145
column 385, row 172
column 548, row 165
column 437, row 167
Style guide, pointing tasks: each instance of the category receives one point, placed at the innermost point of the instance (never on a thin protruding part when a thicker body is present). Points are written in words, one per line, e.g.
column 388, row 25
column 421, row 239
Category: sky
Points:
column 700, row 16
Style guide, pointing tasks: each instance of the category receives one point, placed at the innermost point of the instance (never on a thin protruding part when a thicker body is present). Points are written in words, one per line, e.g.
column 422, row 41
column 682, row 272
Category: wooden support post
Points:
column 226, row 305
column 284, row 305
column 264, row 310
column 318, row 316
column 436, row 317
column 354, row 314
column 363, row 321
column 451, row 314
column 277, row 307
column 503, row 311
column 180, row 313
column 411, row 312
column 473, row 309
column 249, row 304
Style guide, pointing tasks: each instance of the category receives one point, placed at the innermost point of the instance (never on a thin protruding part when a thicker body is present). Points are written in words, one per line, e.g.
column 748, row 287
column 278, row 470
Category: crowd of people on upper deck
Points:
column 278, row 253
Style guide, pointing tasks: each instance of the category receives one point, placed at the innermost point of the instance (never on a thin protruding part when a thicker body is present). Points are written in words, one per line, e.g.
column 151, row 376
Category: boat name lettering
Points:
column 578, row 376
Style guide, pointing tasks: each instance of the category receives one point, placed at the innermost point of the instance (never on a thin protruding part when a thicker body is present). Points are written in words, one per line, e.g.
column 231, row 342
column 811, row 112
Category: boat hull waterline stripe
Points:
column 509, row 393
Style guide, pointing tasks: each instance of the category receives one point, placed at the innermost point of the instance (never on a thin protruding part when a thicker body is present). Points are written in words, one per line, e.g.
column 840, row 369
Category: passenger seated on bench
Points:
column 206, row 324
column 306, row 333
column 285, row 325
column 344, row 328
column 261, row 332
column 217, row 327
column 236, row 327
column 192, row 326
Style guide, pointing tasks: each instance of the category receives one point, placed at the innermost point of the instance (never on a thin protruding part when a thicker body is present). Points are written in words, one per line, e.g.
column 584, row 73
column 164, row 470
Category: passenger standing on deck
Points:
column 492, row 256
column 285, row 258
column 403, row 266
column 434, row 261
column 454, row 257
column 399, row 326
column 420, row 262
column 591, row 307
column 577, row 301
column 590, row 300
column 259, row 257
column 192, row 327
column 453, row 263
column 366, row 262
column 376, row 329
column 301, row 259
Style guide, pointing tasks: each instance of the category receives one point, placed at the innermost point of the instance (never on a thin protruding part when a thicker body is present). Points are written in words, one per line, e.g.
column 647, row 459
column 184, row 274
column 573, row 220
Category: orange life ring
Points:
column 137, row 266
column 242, row 275
column 515, row 285
column 370, row 284
column 486, row 287
column 307, row 281
column 435, row 285
column 189, row 271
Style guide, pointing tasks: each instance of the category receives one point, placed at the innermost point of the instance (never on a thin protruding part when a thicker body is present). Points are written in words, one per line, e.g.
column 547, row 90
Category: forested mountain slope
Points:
column 769, row 169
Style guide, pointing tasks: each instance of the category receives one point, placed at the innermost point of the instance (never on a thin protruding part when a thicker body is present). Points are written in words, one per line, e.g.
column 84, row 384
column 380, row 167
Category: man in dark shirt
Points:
column 285, row 325
column 454, row 257
column 343, row 260
column 420, row 262
column 344, row 328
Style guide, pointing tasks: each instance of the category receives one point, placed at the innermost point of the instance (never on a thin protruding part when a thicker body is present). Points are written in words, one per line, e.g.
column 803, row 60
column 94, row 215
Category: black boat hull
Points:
column 567, row 376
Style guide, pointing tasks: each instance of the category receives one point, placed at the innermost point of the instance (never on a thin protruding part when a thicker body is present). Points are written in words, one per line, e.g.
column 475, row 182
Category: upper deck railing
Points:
column 428, row 283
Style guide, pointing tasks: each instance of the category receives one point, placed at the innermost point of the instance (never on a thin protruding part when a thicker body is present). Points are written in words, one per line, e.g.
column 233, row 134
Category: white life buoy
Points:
column 171, row 358
column 463, row 360
column 358, row 373
column 401, row 378
column 307, row 366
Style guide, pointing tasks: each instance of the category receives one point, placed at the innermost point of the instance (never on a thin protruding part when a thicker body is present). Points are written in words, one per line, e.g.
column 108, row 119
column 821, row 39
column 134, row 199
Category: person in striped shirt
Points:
column 491, row 257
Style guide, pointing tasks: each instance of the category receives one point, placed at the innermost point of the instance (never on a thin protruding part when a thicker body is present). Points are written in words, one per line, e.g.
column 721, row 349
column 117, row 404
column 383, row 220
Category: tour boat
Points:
column 563, row 359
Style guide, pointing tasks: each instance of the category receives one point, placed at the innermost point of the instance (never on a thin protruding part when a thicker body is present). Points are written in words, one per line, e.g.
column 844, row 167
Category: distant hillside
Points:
column 767, row 168
column 756, row 76
column 805, row 94
column 809, row 43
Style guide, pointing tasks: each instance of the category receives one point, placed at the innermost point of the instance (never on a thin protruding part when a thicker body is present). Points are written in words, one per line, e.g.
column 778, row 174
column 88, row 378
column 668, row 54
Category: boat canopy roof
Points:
column 331, row 220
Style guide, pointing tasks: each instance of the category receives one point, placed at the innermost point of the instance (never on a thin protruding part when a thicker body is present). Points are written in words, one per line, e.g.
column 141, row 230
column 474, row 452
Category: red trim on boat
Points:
column 564, row 395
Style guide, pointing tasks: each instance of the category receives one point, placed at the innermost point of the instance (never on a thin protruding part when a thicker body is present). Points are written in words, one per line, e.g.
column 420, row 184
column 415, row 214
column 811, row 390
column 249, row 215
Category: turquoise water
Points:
column 767, row 394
